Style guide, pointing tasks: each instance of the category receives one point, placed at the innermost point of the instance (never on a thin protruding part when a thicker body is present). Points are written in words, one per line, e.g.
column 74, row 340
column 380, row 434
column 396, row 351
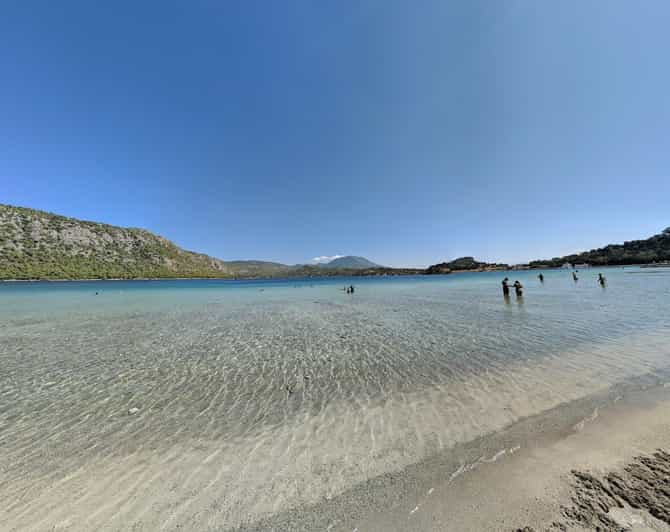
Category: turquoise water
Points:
column 255, row 397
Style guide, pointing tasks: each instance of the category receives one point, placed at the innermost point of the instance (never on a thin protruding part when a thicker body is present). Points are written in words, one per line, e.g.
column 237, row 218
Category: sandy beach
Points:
column 547, row 474
column 553, row 471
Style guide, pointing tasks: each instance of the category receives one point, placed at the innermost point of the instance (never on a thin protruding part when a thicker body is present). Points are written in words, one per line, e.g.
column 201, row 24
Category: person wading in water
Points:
column 505, row 287
column 518, row 289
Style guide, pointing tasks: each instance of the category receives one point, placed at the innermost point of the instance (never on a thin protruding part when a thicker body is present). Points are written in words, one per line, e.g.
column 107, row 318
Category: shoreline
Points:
column 520, row 478
column 400, row 273
column 334, row 276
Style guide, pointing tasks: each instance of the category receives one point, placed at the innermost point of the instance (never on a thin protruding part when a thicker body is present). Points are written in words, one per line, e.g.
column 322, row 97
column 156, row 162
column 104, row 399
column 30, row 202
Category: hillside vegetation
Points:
column 40, row 245
column 463, row 264
column 650, row 250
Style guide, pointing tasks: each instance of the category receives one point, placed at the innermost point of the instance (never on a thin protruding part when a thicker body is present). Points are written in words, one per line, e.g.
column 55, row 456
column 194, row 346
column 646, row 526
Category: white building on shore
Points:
column 582, row 266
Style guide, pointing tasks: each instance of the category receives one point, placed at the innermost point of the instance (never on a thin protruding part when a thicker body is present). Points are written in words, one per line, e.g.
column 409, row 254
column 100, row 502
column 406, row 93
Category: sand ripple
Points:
column 217, row 414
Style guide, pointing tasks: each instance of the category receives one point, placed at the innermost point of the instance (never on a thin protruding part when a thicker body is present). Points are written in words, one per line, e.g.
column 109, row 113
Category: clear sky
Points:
column 409, row 132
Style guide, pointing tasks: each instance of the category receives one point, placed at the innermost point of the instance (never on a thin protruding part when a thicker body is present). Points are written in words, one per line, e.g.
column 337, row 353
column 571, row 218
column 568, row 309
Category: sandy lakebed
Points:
column 416, row 404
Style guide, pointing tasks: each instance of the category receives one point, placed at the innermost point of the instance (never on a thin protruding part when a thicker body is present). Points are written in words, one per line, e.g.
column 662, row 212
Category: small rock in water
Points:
column 133, row 410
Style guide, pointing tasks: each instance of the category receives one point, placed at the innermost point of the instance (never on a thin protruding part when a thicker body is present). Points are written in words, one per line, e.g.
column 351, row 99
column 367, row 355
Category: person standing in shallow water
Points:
column 574, row 276
column 601, row 279
column 518, row 288
column 541, row 278
column 505, row 287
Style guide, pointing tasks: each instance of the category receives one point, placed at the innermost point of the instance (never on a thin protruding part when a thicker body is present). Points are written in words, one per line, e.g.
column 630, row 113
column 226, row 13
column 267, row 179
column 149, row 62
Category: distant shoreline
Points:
column 343, row 275
column 399, row 273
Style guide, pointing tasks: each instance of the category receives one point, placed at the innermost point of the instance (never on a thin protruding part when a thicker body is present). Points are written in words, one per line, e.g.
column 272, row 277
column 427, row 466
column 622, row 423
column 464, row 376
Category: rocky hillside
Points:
column 40, row 245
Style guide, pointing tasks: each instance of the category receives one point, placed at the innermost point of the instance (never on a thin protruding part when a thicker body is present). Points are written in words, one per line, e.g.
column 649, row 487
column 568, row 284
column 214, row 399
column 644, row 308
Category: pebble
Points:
column 133, row 410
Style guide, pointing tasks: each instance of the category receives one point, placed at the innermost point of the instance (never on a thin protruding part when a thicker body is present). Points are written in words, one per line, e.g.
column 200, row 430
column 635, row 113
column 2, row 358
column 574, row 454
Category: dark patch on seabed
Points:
column 644, row 484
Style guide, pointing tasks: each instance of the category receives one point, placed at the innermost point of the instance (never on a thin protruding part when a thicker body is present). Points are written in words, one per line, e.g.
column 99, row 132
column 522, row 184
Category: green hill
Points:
column 463, row 264
column 652, row 249
column 251, row 269
column 40, row 245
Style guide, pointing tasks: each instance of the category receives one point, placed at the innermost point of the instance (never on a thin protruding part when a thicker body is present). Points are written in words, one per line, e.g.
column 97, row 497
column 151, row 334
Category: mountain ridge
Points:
column 36, row 244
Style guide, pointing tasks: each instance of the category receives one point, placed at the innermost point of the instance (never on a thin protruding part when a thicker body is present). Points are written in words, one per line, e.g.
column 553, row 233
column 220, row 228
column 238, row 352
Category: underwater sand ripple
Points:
column 247, row 410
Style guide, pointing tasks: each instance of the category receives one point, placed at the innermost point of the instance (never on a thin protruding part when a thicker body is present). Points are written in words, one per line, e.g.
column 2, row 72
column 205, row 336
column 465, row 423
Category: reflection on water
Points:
column 253, row 397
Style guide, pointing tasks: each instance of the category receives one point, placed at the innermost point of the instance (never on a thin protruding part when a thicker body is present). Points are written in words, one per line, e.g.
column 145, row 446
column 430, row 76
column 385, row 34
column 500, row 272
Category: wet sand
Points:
column 596, row 464
column 551, row 482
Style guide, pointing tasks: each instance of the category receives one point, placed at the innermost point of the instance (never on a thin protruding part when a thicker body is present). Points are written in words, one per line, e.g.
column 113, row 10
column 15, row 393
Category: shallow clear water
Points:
column 255, row 397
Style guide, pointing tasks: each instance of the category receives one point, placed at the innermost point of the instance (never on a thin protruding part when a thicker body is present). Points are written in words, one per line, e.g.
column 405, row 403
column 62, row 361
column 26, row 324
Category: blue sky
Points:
column 408, row 132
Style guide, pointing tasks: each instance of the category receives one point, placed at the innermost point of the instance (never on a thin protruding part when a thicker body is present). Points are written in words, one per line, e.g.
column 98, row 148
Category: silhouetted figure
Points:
column 505, row 286
column 601, row 279
column 541, row 278
column 351, row 289
column 574, row 276
column 518, row 289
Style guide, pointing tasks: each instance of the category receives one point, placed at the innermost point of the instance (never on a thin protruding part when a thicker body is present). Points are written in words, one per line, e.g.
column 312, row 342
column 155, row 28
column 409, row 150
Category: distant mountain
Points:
column 653, row 249
column 351, row 262
column 40, row 245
